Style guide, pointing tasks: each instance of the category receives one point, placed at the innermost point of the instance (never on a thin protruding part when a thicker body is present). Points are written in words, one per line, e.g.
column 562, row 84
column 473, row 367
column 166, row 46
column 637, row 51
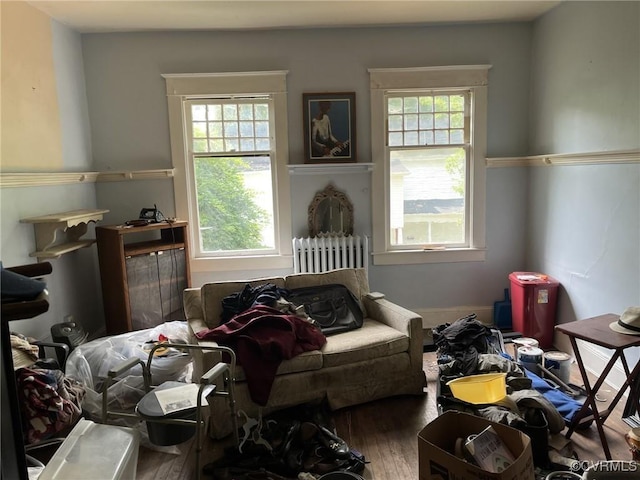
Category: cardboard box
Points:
column 436, row 444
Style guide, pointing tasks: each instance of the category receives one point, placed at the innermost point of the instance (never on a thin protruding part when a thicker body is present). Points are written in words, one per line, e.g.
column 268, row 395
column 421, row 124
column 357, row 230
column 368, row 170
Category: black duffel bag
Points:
column 332, row 307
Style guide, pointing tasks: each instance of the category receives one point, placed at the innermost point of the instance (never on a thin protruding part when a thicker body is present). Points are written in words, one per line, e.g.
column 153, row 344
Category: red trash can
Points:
column 534, row 297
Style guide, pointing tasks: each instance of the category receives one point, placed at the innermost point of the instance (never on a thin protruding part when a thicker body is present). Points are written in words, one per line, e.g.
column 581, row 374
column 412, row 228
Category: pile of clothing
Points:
column 299, row 442
column 263, row 331
column 467, row 347
column 50, row 402
column 266, row 325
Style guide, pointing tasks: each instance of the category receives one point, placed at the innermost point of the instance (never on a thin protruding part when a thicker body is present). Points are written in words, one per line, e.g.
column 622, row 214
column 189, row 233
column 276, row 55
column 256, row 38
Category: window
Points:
column 228, row 134
column 429, row 148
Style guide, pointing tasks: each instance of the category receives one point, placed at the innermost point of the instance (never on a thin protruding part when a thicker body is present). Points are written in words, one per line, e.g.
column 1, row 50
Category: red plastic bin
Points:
column 534, row 297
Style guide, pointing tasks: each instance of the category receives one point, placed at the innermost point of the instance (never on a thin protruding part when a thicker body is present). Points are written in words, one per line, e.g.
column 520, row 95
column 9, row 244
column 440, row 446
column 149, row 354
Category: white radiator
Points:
column 320, row 254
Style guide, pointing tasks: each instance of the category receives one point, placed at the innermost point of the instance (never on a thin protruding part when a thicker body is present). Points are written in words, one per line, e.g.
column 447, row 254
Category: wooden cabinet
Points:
column 143, row 272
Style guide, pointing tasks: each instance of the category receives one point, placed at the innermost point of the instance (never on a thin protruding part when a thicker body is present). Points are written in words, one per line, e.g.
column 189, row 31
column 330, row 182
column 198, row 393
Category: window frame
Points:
column 183, row 88
column 193, row 156
column 384, row 80
column 465, row 145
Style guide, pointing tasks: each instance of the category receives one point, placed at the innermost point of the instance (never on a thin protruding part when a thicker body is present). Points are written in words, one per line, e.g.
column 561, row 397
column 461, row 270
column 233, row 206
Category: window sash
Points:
column 427, row 119
column 231, row 134
column 197, row 230
column 200, row 241
column 465, row 243
column 465, row 145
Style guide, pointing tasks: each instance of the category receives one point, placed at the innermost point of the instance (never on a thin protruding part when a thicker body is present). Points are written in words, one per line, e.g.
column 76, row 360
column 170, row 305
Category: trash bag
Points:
column 90, row 363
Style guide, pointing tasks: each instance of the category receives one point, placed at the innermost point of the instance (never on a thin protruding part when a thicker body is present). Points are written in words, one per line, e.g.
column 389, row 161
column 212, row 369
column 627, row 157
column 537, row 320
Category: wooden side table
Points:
column 596, row 331
column 143, row 271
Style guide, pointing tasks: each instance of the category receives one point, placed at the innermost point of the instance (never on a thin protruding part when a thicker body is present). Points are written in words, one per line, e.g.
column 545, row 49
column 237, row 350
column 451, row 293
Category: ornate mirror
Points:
column 330, row 213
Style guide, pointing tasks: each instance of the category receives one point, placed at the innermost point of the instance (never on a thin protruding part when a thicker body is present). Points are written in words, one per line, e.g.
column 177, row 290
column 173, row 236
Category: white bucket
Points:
column 523, row 342
column 530, row 358
column 558, row 363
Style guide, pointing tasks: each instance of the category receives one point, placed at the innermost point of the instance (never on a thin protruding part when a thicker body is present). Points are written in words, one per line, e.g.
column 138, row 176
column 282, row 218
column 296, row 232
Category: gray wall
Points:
column 584, row 221
column 74, row 285
column 585, row 78
column 128, row 112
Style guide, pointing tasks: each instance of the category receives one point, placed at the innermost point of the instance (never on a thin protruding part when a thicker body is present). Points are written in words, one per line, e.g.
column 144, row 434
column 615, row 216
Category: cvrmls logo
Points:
column 610, row 466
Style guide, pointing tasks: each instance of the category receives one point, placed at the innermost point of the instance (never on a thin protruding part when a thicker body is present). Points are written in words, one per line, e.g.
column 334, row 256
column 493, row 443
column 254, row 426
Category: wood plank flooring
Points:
column 385, row 431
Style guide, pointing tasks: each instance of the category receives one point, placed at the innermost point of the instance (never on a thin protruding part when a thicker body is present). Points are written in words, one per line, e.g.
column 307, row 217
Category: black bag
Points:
column 333, row 307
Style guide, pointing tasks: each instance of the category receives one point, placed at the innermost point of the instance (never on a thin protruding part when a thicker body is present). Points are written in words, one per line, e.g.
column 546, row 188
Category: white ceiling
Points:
column 116, row 15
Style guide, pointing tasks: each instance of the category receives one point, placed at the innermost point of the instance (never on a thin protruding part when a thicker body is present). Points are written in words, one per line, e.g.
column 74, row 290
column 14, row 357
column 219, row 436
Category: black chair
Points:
column 14, row 462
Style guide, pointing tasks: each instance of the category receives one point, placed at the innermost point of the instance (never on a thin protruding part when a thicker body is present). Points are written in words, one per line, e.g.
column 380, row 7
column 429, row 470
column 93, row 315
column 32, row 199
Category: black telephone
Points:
column 152, row 215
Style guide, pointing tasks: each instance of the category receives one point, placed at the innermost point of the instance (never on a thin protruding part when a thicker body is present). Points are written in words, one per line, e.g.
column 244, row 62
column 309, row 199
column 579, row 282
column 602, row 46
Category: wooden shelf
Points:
column 73, row 224
column 150, row 247
column 58, row 250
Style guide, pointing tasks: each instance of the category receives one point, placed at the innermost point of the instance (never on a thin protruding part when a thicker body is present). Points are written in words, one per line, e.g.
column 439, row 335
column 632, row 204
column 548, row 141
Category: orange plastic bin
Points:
column 534, row 298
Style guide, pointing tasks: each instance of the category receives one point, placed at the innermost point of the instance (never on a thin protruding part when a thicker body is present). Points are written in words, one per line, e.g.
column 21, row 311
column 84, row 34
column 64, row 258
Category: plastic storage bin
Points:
column 95, row 451
column 534, row 298
column 479, row 389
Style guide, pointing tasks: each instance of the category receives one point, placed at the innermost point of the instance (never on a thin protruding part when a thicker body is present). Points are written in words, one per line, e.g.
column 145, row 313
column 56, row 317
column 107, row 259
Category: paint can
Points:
column 523, row 342
column 530, row 358
column 558, row 363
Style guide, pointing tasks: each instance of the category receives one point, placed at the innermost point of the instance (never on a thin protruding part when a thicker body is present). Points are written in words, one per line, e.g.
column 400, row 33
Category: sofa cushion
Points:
column 304, row 362
column 372, row 340
column 213, row 293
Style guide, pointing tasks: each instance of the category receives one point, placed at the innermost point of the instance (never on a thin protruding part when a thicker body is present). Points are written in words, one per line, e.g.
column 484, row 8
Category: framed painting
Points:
column 329, row 127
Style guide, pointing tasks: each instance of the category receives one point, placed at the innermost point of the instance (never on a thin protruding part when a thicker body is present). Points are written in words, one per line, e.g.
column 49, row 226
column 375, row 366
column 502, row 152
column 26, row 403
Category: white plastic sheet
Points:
column 90, row 363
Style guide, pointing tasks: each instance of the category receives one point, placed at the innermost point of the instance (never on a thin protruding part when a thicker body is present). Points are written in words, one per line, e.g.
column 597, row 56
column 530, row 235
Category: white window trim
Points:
column 473, row 77
column 202, row 85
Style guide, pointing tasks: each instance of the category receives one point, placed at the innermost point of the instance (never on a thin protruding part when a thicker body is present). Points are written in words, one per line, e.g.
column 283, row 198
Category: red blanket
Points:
column 262, row 337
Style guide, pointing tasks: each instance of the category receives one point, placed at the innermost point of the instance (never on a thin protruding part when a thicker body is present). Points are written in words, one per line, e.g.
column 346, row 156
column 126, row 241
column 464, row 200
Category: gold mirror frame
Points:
column 330, row 213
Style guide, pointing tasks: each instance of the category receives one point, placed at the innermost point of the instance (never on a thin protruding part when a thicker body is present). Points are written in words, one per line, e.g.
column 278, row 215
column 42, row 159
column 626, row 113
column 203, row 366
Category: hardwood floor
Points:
column 385, row 431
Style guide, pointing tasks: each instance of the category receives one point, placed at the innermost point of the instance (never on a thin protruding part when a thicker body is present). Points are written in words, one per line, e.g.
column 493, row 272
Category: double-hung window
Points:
column 230, row 154
column 429, row 147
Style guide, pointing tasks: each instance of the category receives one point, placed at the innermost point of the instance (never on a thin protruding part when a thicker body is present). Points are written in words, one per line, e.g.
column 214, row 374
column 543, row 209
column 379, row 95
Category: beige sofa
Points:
column 381, row 359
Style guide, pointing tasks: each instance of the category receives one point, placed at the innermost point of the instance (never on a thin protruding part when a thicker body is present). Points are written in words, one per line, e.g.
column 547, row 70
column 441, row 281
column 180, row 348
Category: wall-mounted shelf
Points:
column 326, row 168
column 73, row 224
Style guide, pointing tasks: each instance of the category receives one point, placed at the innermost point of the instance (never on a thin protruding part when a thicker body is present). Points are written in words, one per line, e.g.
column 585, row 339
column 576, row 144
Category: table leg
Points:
column 632, row 407
column 623, row 387
column 591, row 397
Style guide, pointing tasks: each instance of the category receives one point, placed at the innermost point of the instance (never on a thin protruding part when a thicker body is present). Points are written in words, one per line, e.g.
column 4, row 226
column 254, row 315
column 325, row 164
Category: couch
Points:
column 383, row 358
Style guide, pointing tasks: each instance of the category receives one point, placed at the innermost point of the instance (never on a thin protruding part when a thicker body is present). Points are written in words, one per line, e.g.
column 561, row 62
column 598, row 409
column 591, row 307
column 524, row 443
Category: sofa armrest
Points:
column 192, row 301
column 203, row 361
column 400, row 318
column 196, row 325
